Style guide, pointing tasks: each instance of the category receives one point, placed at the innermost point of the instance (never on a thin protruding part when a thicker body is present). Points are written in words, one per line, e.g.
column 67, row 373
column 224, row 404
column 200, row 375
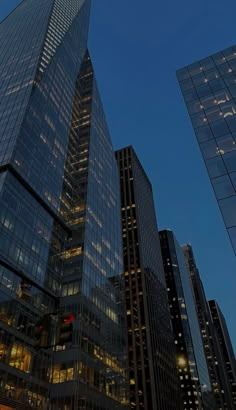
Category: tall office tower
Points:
column 215, row 359
column 209, row 91
column 60, row 236
column 153, row 379
column 190, row 356
column 225, row 346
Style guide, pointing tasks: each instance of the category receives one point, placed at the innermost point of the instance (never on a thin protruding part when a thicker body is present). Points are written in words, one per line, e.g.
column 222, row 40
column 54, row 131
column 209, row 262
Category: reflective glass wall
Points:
column 190, row 356
column 209, row 91
column 90, row 370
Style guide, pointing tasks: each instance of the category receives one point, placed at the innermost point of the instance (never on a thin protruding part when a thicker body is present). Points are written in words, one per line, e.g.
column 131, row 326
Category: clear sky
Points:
column 136, row 47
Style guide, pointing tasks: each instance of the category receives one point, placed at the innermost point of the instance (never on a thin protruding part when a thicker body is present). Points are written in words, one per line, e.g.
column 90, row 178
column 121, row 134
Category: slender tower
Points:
column 215, row 360
column 153, row 379
column 225, row 347
column 190, row 356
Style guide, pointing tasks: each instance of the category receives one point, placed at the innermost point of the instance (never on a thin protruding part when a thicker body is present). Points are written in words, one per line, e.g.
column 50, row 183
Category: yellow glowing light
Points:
column 181, row 361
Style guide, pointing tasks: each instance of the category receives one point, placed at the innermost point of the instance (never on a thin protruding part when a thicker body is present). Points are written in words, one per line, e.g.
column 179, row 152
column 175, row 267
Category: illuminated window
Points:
column 71, row 253
column 20, row 357
column 3, row 352
column 62, row 374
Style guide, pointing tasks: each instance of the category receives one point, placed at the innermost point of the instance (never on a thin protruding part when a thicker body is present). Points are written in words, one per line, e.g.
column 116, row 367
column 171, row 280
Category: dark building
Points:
column 225, row 347
column 209, row 91
column 152, row 371
column 215, row 359
column 60, row 232
column 190, row 356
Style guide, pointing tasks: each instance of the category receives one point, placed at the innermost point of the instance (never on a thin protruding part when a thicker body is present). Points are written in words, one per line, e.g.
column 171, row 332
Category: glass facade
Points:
column 92, row 263
column 209, row 91
column 152, row 373
column 60, row 233
column 226, row 349
column 190, row 356
column 214, row 358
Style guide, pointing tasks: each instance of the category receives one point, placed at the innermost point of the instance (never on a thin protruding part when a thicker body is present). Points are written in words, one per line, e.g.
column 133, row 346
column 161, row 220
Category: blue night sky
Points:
column 136, row 47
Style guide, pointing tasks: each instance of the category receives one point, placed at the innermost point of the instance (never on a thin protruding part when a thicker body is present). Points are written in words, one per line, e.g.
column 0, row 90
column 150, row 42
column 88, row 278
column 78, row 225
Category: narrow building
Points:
column 216, row 365
column 152, row 372
column 226, row 348
column 190, row 356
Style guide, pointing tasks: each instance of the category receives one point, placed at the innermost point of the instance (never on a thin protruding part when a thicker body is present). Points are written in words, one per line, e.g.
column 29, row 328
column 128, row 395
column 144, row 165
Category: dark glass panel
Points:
column 228, row 209
column 222, row 96
column 232, row 89
column 186, row 84
column 230, row 161
column 199, row 119
column 182, row 74
column 231, row 121
column 226, row 144
column 232, row 235
column 207, row 63
column 219, row 128
column 194, row 68
column 212, row 74
column 232, row 64
column 217, row 84
column 209, row 149
column 203, row 133
column 218, row 58
column 229, row 53
column 199, row 79
column 208, row 101
column 204, row 90
column 215, row 167
column 233, row 179
column 224, row 68
column 213, row 113
column 194, row 106
column 230, row 79
column 223, row 187
column 190, row 95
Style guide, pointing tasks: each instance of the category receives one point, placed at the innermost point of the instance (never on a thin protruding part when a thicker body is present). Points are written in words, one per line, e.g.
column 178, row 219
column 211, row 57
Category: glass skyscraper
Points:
column 152, row 371
column 60, row 232
column 209, row 91
column 215, row 360
column 226, row 348
column 190, row 355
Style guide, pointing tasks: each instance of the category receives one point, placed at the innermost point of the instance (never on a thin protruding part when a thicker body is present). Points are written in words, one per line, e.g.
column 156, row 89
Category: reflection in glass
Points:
column 226, row 144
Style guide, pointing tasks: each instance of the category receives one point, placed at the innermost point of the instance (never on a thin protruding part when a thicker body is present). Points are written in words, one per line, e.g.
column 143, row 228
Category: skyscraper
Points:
column 60, row 231
column 209, row 91
column 190, row 356
column 215, row 360
column 225, row 346
column 152, row 371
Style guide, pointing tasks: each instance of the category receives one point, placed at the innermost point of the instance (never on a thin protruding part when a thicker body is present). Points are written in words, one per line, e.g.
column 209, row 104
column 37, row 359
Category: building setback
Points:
column 209, row 91
column 190, row 356
column 152, row 371
column 215, row 360
column 60, row 231
column 225, row 347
